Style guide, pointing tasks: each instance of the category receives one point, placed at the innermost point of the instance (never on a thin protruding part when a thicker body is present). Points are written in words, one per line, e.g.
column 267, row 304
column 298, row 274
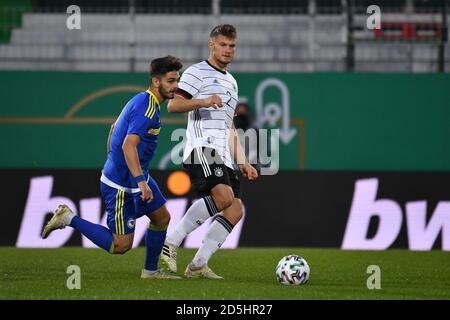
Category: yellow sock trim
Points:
column 157, row 228
column 111, row 249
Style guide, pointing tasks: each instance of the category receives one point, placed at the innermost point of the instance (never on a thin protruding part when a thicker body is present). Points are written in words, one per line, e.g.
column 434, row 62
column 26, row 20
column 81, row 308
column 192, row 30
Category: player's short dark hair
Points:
column 160, row 66
column 226, row 30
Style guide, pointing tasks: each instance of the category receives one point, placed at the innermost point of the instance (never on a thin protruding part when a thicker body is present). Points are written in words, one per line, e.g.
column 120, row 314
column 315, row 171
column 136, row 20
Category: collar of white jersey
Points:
column 215, row 68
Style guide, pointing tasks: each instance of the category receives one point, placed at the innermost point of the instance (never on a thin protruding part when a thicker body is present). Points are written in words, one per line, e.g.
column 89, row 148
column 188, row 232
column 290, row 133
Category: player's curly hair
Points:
column 226, row 30
column 160, row 66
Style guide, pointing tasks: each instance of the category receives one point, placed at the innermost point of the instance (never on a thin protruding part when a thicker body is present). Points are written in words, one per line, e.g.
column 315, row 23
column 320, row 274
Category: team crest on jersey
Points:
column 218, row 172
column 131, row 223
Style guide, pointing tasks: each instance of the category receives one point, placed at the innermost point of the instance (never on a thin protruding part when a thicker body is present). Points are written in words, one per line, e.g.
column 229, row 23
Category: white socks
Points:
column 198, row 213
column 68, row 218
column 217, row 234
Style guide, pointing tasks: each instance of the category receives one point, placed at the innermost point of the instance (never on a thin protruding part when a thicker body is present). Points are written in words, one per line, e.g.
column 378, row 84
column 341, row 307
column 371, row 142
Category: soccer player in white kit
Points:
column 210, row 94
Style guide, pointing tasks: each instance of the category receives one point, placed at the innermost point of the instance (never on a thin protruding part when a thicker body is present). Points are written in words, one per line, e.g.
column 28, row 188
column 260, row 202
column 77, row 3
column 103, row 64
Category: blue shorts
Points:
column 124, row 208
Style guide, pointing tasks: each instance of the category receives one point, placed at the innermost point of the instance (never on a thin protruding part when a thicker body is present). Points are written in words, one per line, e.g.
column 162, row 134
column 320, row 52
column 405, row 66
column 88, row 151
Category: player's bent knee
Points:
column 121, row 247
column 223, row 196
column 228, row 201
column 224, row 201
column 160, row 218
column 235, row 213
column 239, row 212
column 161, row 221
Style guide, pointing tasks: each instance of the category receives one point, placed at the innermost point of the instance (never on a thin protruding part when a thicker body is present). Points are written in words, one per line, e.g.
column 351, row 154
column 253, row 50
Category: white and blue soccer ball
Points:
column 292, row 270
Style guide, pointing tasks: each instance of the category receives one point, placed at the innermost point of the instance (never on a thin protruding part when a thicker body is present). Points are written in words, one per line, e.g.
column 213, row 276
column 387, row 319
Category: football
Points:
column 292, row 270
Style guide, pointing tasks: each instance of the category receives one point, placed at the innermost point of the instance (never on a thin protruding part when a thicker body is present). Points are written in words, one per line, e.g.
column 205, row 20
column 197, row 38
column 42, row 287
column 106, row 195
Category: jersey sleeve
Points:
column 190, row 83
column 140, row 121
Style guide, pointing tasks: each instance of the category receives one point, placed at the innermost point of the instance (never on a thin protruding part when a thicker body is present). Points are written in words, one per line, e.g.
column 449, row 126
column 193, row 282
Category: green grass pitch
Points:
column 249, row 274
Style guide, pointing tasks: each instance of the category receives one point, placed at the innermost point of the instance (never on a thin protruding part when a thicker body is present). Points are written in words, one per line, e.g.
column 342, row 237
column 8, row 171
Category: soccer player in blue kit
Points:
column 128, row 191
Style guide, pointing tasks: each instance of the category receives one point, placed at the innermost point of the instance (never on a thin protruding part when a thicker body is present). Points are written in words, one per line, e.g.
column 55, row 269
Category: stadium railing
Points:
column 321, row 35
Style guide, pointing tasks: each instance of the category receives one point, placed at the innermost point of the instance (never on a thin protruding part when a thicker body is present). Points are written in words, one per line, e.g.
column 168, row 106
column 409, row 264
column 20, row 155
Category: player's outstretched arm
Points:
column 181, row 104
column 238, row 154
column 129, row 148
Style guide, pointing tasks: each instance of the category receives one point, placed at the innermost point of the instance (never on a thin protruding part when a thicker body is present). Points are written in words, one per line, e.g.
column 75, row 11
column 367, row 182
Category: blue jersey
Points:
column 140, row 116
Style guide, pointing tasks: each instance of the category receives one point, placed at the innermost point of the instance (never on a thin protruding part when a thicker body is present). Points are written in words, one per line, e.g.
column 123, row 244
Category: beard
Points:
column 166, row 94
column 223, row 62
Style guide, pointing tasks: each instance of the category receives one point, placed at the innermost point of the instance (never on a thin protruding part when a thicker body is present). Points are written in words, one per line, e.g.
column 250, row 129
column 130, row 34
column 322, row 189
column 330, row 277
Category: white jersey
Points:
column 209, row 127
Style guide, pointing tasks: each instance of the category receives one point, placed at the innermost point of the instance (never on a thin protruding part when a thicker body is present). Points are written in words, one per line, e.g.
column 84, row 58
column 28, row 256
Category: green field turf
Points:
column 249, row 274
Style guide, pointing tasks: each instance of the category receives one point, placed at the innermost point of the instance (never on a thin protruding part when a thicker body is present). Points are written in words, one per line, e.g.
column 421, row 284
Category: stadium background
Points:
column 364, row 114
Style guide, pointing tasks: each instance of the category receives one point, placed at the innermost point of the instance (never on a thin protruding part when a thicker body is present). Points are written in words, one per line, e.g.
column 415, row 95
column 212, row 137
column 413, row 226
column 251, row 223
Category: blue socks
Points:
column 154, row 241
column 98, row 234
column 102, row 237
